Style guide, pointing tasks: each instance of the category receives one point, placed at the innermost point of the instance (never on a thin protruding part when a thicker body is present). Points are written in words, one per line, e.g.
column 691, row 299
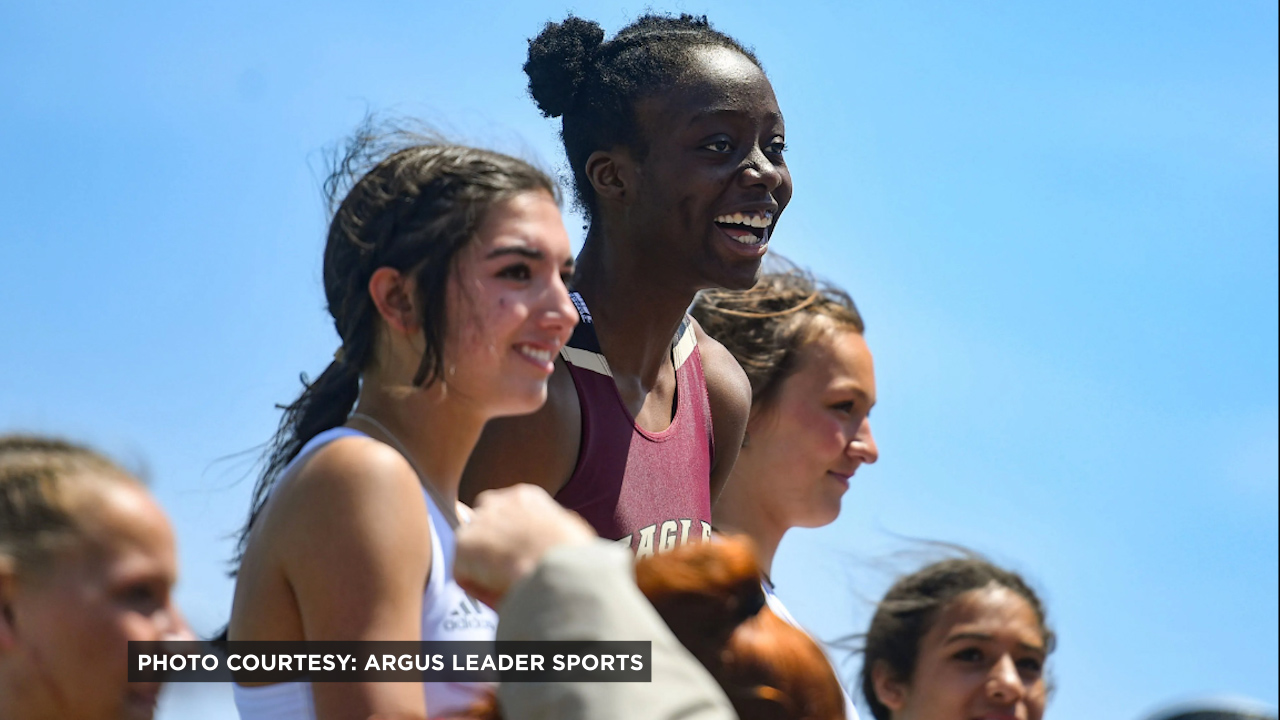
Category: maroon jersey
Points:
column 650, row 491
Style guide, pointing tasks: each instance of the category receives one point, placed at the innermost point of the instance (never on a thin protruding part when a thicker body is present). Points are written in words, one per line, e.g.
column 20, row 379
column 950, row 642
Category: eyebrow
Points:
column 853, row 390
column 525, row 252
column 720, row 112
column 983, row 637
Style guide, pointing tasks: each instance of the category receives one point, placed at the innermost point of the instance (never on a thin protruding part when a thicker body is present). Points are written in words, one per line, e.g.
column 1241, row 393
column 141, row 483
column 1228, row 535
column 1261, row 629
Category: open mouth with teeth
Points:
column 746, row 228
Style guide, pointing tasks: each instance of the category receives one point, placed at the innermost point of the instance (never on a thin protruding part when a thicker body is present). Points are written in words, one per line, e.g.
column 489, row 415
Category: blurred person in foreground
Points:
column 87, row 564
column 718, row 651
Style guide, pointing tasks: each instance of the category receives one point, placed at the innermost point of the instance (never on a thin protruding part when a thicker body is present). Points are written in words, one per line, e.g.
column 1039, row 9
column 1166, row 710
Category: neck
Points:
column 742, row 509
column 636, row 304
column 438, row 430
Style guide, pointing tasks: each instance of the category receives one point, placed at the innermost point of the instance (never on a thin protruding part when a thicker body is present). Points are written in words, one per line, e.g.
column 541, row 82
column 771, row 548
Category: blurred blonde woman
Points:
column 87, row 564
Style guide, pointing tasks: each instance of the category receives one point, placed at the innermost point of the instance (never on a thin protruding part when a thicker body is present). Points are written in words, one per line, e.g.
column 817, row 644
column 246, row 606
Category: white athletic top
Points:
column 771, row 599
column 448, row 613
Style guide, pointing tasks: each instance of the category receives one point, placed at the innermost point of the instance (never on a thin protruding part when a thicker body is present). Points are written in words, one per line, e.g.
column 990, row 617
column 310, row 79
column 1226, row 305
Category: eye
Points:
column 142, row 597
column 1031, row 666
column 517, row 271
column 969, row 655
column 721, row 145
column 844, row 407
column 777, row 147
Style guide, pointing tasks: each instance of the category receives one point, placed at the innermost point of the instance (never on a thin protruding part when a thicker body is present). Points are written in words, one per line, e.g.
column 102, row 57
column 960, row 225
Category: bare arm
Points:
column 729, row 393
column 540, row 449
column 358, row 558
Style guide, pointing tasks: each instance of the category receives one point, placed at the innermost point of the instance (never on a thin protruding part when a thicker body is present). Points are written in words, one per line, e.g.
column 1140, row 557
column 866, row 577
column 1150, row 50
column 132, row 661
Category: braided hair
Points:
column 593, row 85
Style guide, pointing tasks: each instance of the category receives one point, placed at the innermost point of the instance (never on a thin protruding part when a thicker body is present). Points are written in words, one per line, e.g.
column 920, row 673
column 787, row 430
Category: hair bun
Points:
column 559, row 59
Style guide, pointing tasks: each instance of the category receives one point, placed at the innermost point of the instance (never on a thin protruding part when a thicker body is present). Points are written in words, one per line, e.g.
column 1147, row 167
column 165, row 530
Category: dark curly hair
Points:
column 911, row 607
column 594, row 85
column 765, row 327
column 402, row 200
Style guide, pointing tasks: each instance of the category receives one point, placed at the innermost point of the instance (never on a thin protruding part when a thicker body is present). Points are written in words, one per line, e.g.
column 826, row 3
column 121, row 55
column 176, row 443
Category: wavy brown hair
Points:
column 765, row 327
column 401, row 200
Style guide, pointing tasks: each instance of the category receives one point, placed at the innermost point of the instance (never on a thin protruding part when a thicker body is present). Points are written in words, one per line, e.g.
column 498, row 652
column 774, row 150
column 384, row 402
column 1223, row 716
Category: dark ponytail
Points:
column 403, row 201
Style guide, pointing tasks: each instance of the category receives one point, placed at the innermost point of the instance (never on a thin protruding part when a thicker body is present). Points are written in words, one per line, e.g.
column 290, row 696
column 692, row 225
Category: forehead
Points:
column 531, row 219
column 714, row 79
column 994, row 610
column 836, row 354
column 121, row 522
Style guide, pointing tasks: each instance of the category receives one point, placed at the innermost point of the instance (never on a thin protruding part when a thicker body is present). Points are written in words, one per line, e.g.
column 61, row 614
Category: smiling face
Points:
column 810, row 438
column 712, row 181
column 72, row 622
column 983, row 659
column 509, row 307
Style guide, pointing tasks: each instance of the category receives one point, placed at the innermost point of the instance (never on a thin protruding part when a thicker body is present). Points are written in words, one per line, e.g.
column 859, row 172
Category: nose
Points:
column 1004, row 685
column 174, row 625
column 759, row 171
column 863, row 445
column 558, row 313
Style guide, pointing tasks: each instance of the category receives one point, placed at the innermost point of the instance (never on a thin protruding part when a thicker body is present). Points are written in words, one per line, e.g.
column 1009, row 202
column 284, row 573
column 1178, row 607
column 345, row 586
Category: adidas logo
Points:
column 469, row 614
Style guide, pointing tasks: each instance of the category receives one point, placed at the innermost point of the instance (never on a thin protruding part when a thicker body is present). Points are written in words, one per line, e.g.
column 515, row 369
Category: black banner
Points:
column 440, row 661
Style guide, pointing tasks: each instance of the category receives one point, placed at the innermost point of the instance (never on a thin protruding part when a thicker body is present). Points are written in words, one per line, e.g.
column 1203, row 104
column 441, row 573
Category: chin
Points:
column 521, row 401
column 740, row 276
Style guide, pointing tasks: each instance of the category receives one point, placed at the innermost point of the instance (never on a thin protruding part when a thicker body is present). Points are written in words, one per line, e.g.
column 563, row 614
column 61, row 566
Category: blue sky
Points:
column 1059, row 219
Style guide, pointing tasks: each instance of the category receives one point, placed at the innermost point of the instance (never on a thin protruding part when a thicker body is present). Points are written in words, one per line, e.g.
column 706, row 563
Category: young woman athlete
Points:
column 445, row 274
column 958, row 639
column 813, row 385
column 676, row 144
column 87, row 563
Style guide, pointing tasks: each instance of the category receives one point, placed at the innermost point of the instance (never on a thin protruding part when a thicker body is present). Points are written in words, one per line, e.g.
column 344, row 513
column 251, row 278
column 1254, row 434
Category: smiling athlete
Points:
column 676, row 144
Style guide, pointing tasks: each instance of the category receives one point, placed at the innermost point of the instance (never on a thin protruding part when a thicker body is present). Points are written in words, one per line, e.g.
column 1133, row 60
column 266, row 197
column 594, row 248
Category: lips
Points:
column 750, row 228
column 538, row 355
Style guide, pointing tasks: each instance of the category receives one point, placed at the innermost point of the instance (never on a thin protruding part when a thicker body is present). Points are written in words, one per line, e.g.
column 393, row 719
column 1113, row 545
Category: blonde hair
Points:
column 38, row 491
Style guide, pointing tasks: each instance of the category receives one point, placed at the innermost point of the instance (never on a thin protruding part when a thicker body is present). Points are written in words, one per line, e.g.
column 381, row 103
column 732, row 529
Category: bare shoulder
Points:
column 729, row 394
column 727, row 384
column 356, row 506
column 540, row 448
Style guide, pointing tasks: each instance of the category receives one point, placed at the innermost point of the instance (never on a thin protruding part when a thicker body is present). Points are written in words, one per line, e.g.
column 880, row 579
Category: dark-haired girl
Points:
column 445, row 274
column 959, row 639
column 676, row 144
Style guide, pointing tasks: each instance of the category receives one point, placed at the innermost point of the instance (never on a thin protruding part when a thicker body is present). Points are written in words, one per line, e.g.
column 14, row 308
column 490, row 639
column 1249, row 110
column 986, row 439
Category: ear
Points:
column 610, row 174
column 8, row 589
column 891, row 692
column 393, row 294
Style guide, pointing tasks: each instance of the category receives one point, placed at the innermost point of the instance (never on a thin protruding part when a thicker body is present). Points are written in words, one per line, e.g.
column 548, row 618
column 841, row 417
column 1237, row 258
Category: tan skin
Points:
column 715, row 144
column 342, row 550
column 806, row 442
column 983, row 659
column 65, row 627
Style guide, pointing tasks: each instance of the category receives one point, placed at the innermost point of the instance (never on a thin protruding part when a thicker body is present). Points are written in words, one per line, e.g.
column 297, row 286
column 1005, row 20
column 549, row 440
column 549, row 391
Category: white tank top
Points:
column 775, row 604
column 448, row 613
